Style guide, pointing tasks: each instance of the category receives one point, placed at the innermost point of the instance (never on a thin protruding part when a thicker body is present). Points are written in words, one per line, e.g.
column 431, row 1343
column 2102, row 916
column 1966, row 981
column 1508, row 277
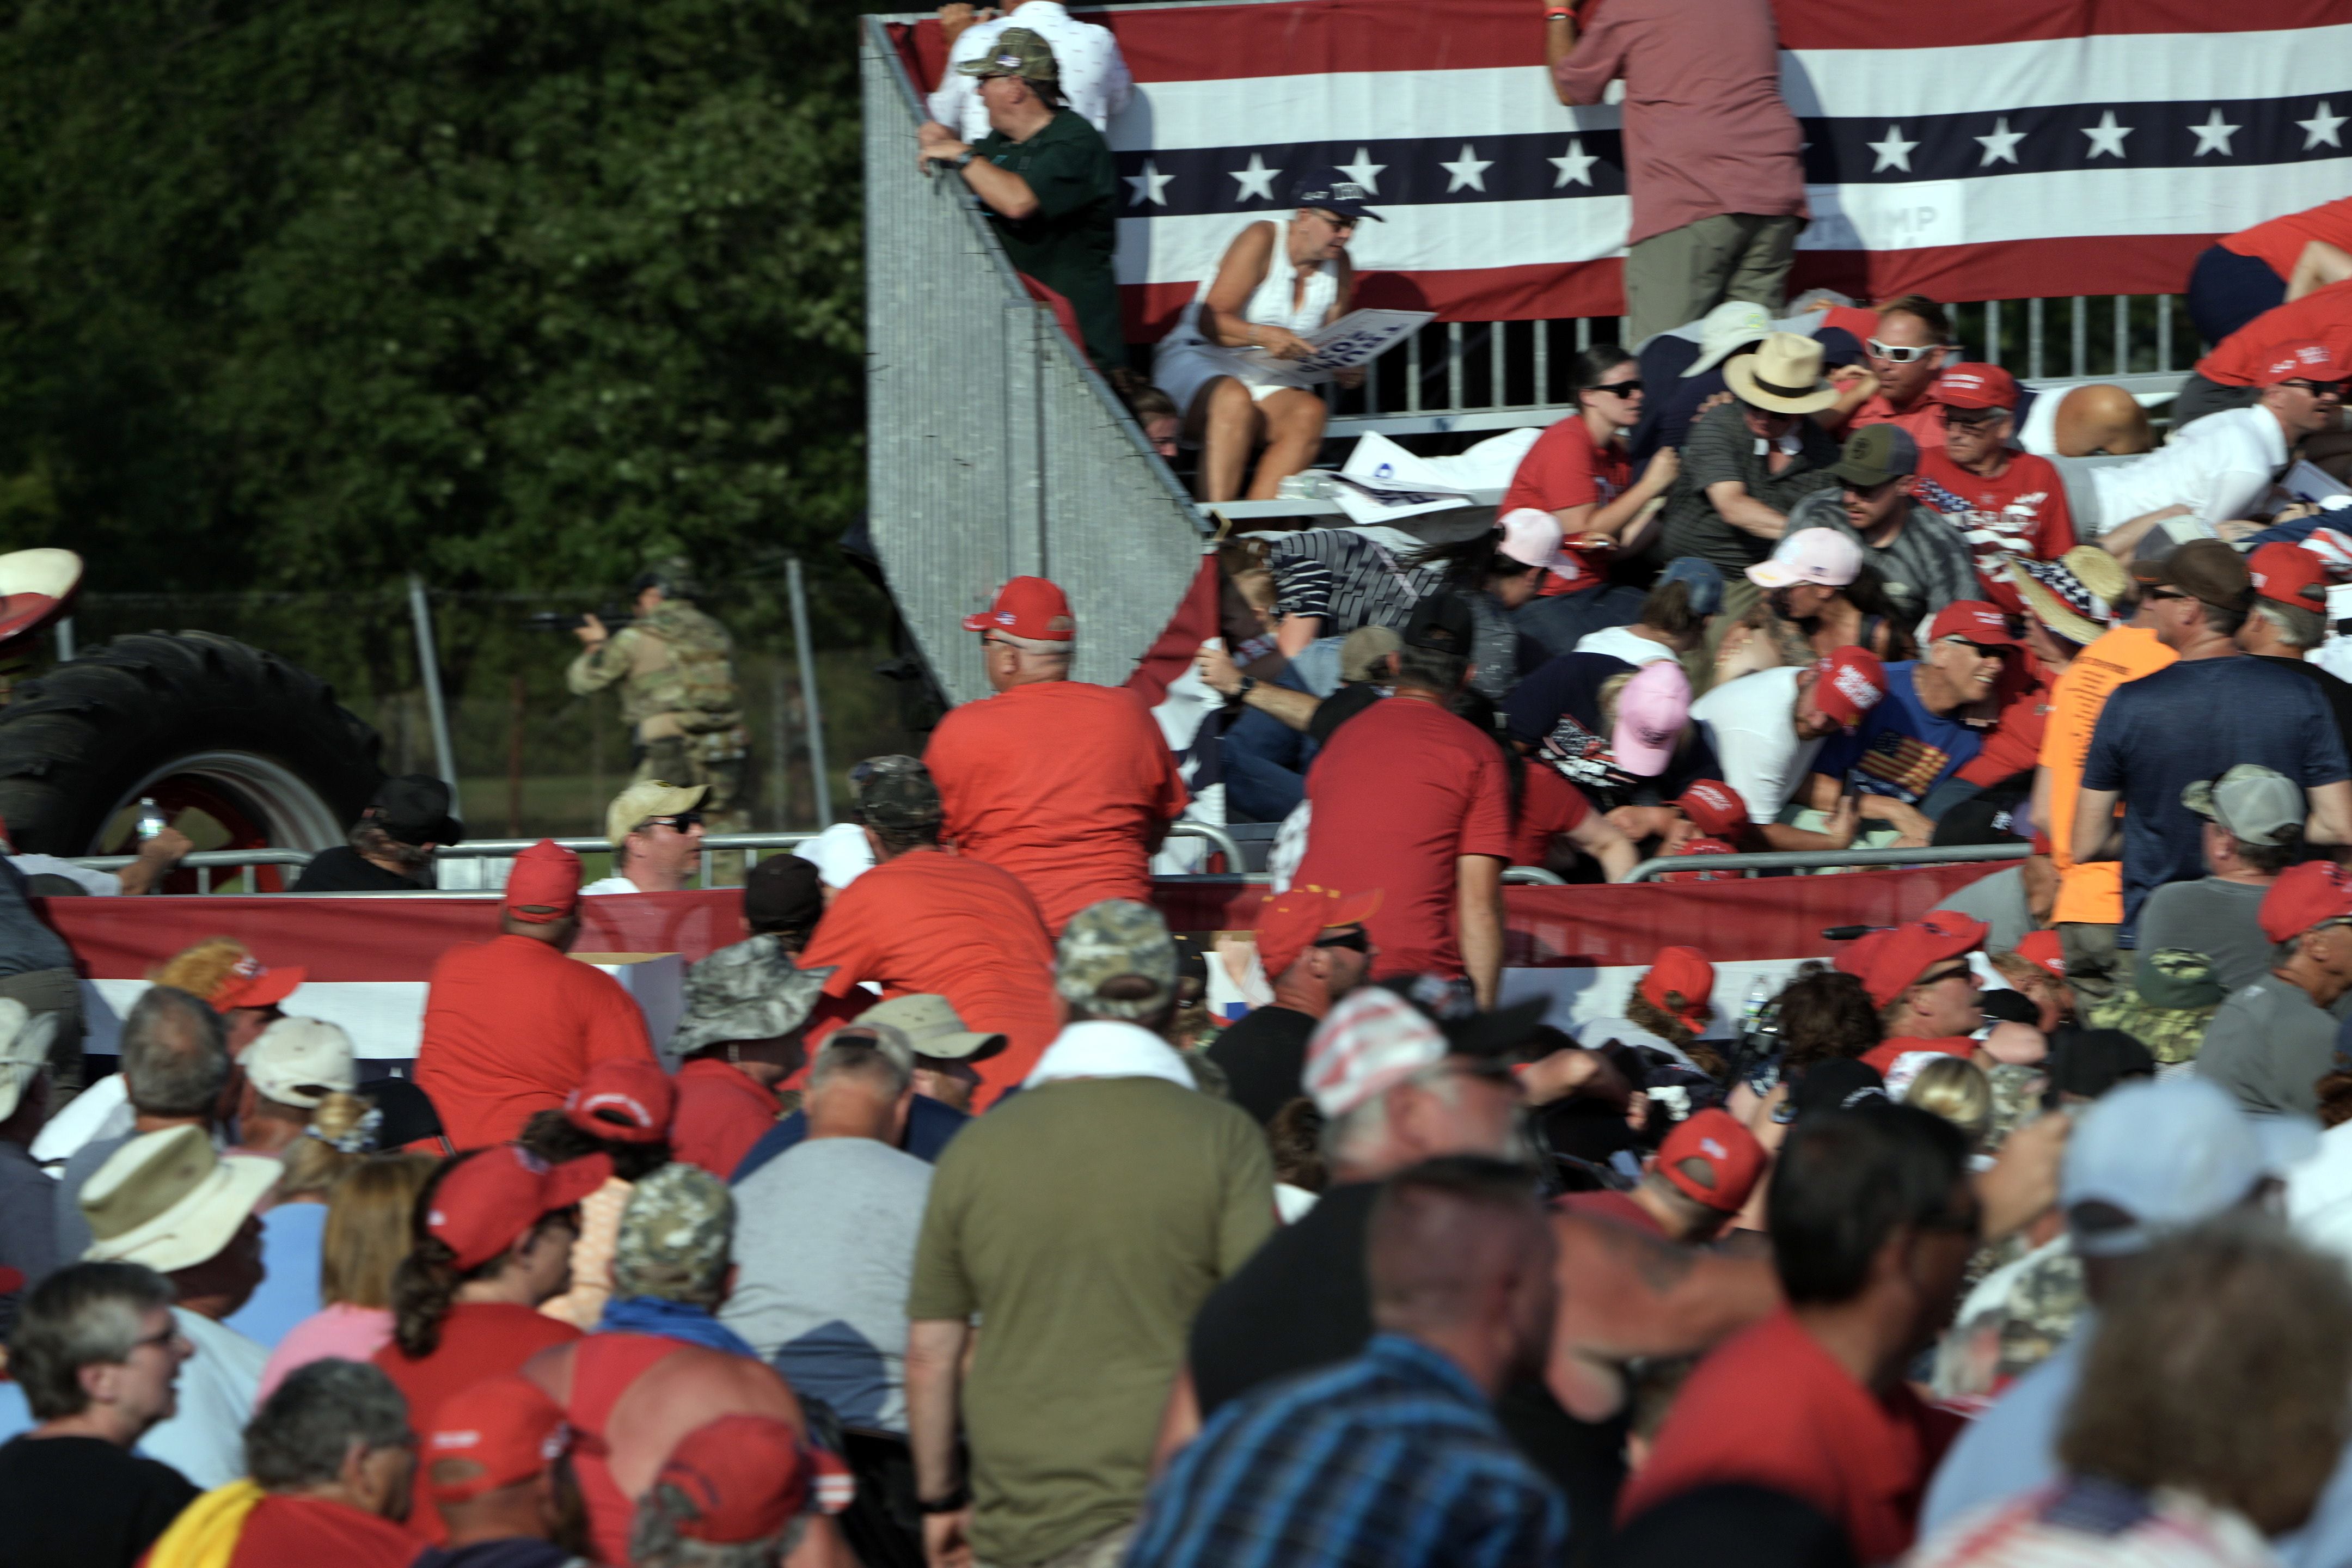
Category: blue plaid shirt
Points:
column 1391, row 1460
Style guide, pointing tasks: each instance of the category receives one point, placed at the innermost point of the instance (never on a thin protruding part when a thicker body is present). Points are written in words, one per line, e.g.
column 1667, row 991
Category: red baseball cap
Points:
column 545, row 885
column 2305, row 896
column 491, row 1435
column 1029, row 607
column 2042, row 947
column 1888, row 962
column 2289, row 574
column 485, row 1204
column 1975, row 620
column 1975, row 387
column 1288, row 923
column 2298, row 359
column 1848, row 684
column 1714, row 807
column 1725, row 1152
column 1702, row 846
column 252, row 983
column 747, row 1477
column 1683, row 970
column 623, row 1100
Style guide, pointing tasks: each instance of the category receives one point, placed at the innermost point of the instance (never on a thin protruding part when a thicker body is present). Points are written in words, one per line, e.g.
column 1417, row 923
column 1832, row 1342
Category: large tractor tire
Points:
column 195, row 721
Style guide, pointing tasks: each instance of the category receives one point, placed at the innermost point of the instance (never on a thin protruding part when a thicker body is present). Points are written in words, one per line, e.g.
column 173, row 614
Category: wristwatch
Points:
column 954, row 1502
column 962, row 159
column 1248, row 685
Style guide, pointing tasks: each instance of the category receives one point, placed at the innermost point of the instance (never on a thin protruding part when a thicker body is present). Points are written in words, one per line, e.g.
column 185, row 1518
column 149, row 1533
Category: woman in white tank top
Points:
column 1277, row 282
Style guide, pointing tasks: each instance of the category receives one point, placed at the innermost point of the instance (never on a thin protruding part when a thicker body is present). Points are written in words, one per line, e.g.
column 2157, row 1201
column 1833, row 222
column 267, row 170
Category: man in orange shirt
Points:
column 510, row 1027
column 1068, row 785
column 2090, row 905
column 924, row 922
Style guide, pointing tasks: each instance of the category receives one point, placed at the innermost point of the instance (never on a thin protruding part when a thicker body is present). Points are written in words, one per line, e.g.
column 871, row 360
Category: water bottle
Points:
column 1759, row 997
column 152, row 821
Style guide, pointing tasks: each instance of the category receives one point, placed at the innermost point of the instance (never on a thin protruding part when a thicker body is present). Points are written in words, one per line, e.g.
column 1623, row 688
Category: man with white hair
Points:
column 2147, row 1161
column 1067, row 784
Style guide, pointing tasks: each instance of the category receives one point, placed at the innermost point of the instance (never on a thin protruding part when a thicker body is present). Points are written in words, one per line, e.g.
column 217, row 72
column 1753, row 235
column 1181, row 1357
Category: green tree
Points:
column 310, row 293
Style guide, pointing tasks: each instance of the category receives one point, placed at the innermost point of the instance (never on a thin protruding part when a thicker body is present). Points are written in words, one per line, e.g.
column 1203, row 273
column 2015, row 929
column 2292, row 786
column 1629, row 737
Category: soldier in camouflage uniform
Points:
column 676, row 670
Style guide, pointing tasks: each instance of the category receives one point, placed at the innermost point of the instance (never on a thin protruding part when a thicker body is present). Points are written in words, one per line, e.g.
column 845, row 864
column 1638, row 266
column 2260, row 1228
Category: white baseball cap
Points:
column 301, row 1061
column 840, row 853
column 1531, row 535
column 1822, row 556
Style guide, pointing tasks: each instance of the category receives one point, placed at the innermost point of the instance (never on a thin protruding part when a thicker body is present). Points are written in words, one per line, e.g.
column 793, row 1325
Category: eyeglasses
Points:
column 1972, row 418
column 1896, row 353
column 1356, row 941
column 679, row 822
column 1620, row 388
column 2318, row 388
column 162, row 1340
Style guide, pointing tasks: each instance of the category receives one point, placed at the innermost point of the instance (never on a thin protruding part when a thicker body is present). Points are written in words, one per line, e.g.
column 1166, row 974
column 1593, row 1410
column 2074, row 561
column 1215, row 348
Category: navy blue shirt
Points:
column 2193, row 721
column 1901, row 750
column 1556, row 711
column 930, row 1124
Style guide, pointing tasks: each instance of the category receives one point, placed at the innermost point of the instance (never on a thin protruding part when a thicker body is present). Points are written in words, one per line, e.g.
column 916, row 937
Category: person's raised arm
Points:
column 1478, row 922
column 2319, row 265
column 1745, row 512
column 2331, row 814
column 1598, row 836
column 1223, row 675
column 2096, row 835
column 1560, row 42
column 935, row 1348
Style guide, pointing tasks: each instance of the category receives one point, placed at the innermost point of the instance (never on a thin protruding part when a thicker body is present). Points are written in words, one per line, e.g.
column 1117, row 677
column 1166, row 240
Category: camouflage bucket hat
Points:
column 677, row 1235
column 1106, row 941
column 894, row 793
column 747, row 991
column 1019, row 52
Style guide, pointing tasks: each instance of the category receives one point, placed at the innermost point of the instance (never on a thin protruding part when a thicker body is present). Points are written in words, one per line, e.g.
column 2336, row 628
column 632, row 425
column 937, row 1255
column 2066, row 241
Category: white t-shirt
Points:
column 99, row 1113
column 1621, row 642
column 103, row 884
column 612, row 885
column 1094, row 74
column 204, row 1441
column 1750, row 723
column 2219, row 467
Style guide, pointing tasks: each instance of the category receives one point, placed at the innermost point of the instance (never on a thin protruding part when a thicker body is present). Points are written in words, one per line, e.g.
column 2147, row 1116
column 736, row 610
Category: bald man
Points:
column 1394, row 1456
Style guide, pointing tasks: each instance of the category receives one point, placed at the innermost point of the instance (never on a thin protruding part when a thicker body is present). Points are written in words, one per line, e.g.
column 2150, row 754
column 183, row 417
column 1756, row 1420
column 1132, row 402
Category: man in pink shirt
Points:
column 1711, row 151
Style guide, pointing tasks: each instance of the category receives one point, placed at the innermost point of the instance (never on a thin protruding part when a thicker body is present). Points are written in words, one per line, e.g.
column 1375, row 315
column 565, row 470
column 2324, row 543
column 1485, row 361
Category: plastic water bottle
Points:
column 1759, row 997
column 152, row 821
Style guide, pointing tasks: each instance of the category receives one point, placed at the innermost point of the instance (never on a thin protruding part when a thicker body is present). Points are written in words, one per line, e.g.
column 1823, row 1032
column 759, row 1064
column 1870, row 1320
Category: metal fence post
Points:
column 809, row 697
column 428, row 670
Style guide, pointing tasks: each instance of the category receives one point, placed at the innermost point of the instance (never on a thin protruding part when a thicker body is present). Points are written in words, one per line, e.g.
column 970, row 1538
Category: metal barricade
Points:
column 1819, row 860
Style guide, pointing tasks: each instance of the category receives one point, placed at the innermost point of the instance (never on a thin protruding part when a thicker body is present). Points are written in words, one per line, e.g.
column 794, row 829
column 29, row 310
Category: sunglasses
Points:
column 681, row 822
column 1971, row 418
column 2318, row 388
column 1894, row 354
column 1620, row 388
column 1356, row 941
column 1942, row 975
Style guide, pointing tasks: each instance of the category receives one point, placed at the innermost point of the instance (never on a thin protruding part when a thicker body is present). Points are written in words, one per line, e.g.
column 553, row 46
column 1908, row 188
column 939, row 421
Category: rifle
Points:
column 564, row 621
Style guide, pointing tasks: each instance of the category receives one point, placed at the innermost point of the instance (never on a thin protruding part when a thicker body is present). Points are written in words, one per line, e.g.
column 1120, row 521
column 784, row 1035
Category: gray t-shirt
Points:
column 2268, row 1045
column 1721, row 447
column 1998, row 901
column 2221, row 919
column 1924, row 568
column 824, row 1248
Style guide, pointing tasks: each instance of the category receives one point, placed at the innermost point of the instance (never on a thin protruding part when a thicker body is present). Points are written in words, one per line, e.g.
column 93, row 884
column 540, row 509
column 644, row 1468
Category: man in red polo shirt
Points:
column 511, row 1025
column 1068, row 785
column 2004, row 503
column 1872, row 1219
column 927, row 923
column 1918, row 974
column 1410, row 799
column 1908, row 341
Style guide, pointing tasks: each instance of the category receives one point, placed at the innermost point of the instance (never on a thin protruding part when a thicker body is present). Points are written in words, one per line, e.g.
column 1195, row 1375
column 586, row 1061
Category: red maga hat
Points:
column 490, row 1435
column 544, row 886
column 1727, row 1154
column 1974, row 620
column 1030, row 608
column 1714, row 807
column 623, row 1100
column 1975, row 387
column 747, row 1477
column 2305, row 896
column 2298, row 359
column 2289, row 574
column 1848, row 684
column 2043, row 948
column 252, row 983
column 485, row 1204
column 1288, row 923
column 1685, row 970
column 1888, row 962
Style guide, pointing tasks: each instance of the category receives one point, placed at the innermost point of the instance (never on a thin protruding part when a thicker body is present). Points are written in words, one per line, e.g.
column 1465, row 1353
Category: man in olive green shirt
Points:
column 1046, row 179
column 1081, row 1222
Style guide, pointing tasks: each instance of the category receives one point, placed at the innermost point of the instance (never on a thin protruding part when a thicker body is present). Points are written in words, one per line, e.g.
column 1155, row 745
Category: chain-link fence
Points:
column 531, row 758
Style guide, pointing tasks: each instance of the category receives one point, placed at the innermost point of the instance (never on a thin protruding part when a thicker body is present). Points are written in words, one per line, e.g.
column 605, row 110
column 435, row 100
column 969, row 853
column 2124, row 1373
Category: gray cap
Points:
column 1112, row 941
column 747, row 991
column 2252, row 804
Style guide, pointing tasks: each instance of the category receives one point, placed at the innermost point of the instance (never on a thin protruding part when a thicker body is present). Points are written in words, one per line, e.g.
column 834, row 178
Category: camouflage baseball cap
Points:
column 894, row 793
column 1019, row 52
column 677, row 1235
column 747, row 991
column 1107, row 942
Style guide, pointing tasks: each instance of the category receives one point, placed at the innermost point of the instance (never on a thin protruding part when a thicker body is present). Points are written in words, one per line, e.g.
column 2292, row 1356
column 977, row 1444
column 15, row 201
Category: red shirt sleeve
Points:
column 1486, row 825
column 1598, row 59
column 842, row 941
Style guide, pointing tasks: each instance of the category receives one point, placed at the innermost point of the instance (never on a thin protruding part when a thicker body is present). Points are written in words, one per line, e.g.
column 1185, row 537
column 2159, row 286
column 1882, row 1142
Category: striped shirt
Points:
column 1393, row 1460
column 1348, row 579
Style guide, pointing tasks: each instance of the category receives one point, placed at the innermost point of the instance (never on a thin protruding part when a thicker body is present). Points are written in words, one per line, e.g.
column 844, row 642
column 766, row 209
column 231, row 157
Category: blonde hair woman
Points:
column 371, row 1200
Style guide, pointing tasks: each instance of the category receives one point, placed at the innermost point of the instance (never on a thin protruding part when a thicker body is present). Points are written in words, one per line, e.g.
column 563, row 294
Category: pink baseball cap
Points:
column 1822, row 556
column 1531, row 535
column 1651, row 712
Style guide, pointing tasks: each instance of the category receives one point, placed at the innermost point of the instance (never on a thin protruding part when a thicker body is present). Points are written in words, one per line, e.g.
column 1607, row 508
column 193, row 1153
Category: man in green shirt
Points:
column 1081, row 1222
column 1046, row 179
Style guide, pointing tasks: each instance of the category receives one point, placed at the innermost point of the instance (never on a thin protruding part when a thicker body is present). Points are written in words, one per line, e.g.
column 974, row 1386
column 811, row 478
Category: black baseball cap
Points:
column 415, row 809
column 1442, row 624
column 1334, row 191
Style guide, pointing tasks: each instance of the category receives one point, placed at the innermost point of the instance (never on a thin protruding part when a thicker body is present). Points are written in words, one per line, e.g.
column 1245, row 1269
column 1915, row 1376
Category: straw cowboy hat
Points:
column 167, row 1200
column 2074, row 596
column 1784, row 375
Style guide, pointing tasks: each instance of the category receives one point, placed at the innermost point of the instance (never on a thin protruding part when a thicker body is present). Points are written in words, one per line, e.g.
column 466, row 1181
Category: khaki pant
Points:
column 2094, row 962
column 1684, row 273
column 1102, row 1552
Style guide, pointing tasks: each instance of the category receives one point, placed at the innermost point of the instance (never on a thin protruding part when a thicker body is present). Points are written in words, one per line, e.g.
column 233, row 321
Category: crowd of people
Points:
column 965, row 1218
